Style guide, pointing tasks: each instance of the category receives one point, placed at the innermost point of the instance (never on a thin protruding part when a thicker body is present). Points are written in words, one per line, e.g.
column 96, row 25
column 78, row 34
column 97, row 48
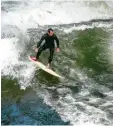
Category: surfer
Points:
column 49, row 38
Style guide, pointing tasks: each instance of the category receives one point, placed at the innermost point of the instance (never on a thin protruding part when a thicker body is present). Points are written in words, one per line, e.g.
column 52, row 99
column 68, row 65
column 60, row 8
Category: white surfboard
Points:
column 43, row 67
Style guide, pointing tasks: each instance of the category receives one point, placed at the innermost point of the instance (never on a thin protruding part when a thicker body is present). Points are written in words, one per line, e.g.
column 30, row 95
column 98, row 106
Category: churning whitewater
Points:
column 31, row 96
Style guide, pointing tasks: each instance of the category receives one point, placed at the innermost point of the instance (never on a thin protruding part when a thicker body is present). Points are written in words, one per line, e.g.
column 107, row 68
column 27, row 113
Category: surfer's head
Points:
column 50, row 32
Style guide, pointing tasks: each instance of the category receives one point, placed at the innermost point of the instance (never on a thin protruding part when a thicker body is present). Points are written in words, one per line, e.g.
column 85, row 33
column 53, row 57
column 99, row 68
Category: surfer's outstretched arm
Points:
column 39, row 43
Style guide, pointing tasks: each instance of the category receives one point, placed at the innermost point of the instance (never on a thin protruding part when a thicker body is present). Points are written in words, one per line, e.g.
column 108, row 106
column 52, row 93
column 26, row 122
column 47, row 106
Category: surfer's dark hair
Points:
column 50, row 29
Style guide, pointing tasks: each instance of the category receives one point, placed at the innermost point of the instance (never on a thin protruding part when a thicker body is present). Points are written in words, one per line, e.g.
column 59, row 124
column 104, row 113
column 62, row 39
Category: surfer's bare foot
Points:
column 48, row 66
column 34, row 58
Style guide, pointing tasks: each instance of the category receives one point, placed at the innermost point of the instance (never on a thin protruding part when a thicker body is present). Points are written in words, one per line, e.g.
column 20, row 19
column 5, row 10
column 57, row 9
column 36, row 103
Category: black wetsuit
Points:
column 49, row 44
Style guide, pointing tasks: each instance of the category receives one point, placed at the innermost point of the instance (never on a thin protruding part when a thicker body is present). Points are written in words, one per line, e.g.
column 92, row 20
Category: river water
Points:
column 32, row 97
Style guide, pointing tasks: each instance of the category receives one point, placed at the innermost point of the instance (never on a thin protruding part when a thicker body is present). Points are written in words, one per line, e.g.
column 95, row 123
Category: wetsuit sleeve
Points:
column 39, row 43
column 57, row 41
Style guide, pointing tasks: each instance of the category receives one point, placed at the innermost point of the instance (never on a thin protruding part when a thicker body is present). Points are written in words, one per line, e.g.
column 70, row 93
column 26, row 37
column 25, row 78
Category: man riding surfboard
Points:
column 49, row 38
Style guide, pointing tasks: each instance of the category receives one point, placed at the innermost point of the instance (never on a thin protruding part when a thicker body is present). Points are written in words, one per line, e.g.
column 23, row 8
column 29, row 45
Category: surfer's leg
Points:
column 51, row 55
column 40, row 51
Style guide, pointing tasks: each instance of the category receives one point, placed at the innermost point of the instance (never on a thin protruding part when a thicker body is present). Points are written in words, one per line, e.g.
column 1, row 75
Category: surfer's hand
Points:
column 36, row 50
column 57, row 50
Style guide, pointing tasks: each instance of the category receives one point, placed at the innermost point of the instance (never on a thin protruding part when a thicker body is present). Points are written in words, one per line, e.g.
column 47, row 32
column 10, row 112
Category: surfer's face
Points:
column 51, row 33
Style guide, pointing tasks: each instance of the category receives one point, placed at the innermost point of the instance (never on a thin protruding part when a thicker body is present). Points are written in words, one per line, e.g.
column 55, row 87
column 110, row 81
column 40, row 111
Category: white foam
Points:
column 83, row 27
column 67, row 109
column 43, row 13
column 9, row 61
column 8, row 55
column 67, row 104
